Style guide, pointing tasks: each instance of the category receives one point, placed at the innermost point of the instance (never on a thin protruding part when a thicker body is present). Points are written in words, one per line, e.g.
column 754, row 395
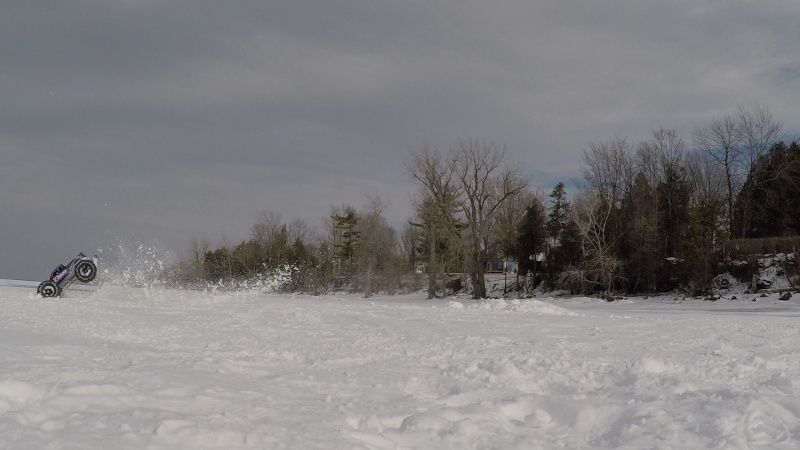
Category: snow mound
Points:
column 516, row 305
column 15, row 395
column 650, row 366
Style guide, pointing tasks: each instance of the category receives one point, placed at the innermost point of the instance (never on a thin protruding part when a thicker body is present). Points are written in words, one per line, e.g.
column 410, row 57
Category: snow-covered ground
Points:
column 118, row 368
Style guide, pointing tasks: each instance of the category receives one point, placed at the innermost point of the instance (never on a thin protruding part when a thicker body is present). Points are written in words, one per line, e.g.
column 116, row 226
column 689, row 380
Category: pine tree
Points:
column 531, row 238
column 559, row 212
column 563, row 239
column 346, row 240
column 772, row 192
column 639, row 244
column 701, row 244
column 673, row 195
column 439, row 238
column 673, row 209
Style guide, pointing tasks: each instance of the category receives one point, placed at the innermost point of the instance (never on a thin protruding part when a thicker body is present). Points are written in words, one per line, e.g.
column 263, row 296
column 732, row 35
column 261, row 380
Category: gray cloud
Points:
column 141, row 119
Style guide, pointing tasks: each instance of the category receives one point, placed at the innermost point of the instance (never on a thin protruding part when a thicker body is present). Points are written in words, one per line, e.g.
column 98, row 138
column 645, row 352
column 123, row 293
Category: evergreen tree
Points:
column 701, row 245
column 439, row 238
column 531, row 238
column 346, row 240
column 639, row 244
column 559, row 212
column 218, row 264
column 563, row 237
column 673, row 209
column 772, row 192
column 246, row 259
column 569, row 251
column 672, row 195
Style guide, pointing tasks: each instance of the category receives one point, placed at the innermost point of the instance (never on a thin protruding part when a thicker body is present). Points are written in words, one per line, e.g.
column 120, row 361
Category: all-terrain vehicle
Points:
column 81, row 268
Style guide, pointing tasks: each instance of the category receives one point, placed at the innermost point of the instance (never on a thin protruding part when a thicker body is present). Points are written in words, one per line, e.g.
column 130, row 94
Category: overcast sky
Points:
column 162, row 120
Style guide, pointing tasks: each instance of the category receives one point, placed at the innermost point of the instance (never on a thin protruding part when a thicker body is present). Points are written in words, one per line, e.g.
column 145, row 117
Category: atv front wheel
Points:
column 85, row 271
column 48, row 289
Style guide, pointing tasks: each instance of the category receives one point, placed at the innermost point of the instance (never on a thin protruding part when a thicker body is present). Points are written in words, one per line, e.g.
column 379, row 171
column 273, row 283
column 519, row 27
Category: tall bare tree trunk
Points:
column 477, row 271
column 368, row 281
column 729, row 186
column 433, row 268
column 485, row 182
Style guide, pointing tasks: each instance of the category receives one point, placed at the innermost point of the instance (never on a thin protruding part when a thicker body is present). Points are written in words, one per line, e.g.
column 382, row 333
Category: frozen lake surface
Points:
column 121, row 368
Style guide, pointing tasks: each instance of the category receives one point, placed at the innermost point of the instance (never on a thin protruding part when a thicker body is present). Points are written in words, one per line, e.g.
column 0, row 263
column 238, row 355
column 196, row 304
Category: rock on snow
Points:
column 159, row 368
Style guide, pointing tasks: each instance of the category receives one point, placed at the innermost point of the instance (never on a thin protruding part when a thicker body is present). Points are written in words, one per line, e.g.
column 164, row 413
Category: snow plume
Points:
column 148, row 265
column 137, row 264
column 279, row 279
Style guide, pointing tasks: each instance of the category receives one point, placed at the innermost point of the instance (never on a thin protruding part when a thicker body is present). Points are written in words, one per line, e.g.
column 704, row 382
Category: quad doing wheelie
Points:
column 81, row 268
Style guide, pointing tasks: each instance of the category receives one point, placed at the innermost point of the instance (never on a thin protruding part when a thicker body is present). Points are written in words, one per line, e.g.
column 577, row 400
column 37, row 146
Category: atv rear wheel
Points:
column 85, row 271
column 48, row 289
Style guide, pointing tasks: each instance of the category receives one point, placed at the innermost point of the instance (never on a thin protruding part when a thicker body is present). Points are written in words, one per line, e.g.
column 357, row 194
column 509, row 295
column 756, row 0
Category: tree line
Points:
column 649, row 216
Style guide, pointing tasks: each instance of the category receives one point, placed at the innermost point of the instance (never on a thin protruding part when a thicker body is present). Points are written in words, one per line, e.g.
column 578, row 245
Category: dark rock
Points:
column 753, row 300
column 763, row 295
column 454, row 285
column 786, row 296
column 734, row 298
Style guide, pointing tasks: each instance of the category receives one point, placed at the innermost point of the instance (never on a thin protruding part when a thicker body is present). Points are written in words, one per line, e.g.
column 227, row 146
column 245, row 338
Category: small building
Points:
column 499, row 265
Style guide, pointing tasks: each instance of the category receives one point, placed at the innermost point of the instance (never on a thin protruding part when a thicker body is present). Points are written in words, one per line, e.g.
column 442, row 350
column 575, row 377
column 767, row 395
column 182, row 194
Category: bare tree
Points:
column 707, row 219
column 198, row 250
column 508, row 218
column 244, row 258
column 591, row 213
column 225, row 259
column 408, row 244
column 662, row 151
column 720, row 140
column 507, row 221
column 706, row 178
column 758, row 132
column 485, row 182
column 436, row 176
column 609, row 168
column 298, row 230
column 268, row 225
column 271, row 236
column 377, row 244
column 736, row 141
